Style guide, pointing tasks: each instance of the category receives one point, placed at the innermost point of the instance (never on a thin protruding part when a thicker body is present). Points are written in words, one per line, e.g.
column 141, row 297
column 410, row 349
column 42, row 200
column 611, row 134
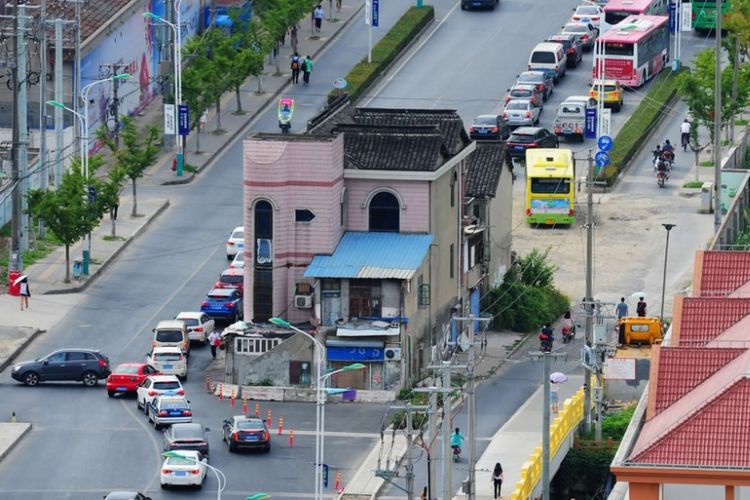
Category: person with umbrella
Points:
column 554, row 398
column 23, row 290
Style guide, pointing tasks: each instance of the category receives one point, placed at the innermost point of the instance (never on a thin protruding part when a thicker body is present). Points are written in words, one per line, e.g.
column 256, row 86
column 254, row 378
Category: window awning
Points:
column 372, row 255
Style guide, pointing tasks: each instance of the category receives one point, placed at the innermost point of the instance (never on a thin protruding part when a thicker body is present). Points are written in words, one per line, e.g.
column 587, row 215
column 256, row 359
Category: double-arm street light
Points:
column 320, row 399
column 177, row 56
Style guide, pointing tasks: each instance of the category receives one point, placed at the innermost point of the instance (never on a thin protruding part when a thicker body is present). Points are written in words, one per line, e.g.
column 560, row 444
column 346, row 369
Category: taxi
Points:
column 612, row 93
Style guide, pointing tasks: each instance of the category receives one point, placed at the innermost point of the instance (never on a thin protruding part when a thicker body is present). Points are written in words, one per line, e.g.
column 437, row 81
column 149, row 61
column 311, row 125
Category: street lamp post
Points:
column 669, row 228
column 221, row 478
column 177, row 56
column 320, row 361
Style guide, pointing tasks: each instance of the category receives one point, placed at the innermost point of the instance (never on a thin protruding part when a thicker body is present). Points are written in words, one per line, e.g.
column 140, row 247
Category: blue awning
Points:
column 372, row 255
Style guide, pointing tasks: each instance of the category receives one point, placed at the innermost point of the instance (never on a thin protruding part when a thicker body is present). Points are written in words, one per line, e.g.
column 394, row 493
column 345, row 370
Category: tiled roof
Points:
column 372, row 255
column 392, row 148
column 722, row 272
column 344, row 117
column 703, row 319
column 94, row 15
column 708, row 430
column 485, row 166
column 680, row 369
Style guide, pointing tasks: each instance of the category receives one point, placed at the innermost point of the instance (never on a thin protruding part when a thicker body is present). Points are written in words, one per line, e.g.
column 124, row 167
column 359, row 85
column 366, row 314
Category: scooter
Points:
column 668, row 158
column 285, row 112
column 661, row 177
column 568, row 334
column 545, row 342
column 456, row 453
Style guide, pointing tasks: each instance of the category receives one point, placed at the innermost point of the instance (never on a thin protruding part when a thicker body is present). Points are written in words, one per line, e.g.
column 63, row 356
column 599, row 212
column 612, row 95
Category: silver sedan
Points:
column 521, row 112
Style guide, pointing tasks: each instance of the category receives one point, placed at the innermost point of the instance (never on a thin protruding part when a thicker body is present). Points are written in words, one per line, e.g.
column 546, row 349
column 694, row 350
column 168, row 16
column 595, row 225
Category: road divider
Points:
column 406, row 29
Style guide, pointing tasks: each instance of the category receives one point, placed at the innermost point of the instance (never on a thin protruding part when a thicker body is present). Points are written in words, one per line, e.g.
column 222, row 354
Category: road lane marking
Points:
column 177, row 291
column 151, row 438
column 387, row 80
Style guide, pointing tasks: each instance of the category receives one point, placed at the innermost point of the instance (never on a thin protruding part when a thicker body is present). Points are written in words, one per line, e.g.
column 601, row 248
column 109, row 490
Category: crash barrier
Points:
column 566, row 422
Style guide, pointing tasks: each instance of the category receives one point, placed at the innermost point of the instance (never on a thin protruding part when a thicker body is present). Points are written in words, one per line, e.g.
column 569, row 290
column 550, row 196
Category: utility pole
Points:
column 77, row 80
column 547, row 358
column 16, row 256
column 23, row 126
column 469, row 487
column 447, row 420
column 432, row 432
column 113, row 71
column 44, row 170
column 717, row 121
column 588, row 299
column 59, row 124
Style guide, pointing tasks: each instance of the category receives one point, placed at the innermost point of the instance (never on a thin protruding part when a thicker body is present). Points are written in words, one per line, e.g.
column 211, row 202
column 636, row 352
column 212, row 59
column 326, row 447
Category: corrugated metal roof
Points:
column 372, row 255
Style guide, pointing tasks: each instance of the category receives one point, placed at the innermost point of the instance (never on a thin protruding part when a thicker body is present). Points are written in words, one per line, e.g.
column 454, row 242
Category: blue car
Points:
column 223, row 303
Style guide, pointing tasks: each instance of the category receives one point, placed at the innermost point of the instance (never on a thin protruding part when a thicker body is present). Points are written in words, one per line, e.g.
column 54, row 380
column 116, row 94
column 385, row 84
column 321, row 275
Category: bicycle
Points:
column 685, row 138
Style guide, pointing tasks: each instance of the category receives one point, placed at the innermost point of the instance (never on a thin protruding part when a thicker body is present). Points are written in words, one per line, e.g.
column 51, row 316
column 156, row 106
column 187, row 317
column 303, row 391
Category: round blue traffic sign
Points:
column 605, row 143
column 602, row 159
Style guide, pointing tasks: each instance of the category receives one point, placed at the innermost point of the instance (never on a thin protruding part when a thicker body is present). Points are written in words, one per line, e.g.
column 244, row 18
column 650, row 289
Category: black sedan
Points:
column 79, row 364
column 489, row 127
column 190, row 436
column 242, row 432
column 524, row 138
column 572, row 45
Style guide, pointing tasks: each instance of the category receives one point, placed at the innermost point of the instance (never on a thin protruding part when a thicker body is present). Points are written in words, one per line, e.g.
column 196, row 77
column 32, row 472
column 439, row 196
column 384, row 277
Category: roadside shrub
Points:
column 386, row 50
column 614, row 425
column 641, row 123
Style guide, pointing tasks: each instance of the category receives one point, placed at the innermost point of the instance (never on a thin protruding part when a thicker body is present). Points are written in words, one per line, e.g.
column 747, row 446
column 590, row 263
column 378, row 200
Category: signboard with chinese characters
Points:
column 619, row 369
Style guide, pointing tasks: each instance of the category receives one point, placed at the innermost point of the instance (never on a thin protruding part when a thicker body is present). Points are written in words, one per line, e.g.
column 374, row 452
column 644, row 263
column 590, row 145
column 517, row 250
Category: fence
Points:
column 566, row 422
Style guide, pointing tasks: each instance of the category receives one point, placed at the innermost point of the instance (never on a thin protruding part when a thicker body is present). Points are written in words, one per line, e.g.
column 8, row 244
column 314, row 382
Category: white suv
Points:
column 169, row 361
column 156, row 385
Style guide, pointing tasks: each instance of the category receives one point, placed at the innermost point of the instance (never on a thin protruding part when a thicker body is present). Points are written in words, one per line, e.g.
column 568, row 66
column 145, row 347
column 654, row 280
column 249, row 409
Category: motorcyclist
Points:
column 568, row 327
column 546, row 337
column 457, row 441
column 661, row 169
column 657, row 155
column 667, row 153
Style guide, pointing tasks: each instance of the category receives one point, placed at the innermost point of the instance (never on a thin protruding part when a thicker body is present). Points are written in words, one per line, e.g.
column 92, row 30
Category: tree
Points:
column 66, row 211
column 134, row 155
column 200, row 80
column 696, row 87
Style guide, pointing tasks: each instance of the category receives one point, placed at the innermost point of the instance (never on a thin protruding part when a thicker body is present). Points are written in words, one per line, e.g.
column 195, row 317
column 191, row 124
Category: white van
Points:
column 172, row 333
column 549, row 57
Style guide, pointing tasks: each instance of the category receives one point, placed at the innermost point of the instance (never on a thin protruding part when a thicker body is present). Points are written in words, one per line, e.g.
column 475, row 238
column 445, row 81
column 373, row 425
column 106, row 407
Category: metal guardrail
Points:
column 567, row 421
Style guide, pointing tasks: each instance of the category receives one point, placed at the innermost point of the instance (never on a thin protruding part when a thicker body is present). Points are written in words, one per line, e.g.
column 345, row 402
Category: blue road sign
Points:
column 183, row 119
column 602, row 159
column 375, row 13
column 590, row 129
column 605, row 143
column 673, row 17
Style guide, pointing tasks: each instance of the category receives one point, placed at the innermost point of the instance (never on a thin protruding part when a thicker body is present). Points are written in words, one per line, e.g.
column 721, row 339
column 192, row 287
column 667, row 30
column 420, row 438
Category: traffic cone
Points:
column 257, row 409
column 244, row 405
column 231, row 400
column 269, row 419
column 221, row 392
column 291, row 438
column 281, row 425
column 337, row 485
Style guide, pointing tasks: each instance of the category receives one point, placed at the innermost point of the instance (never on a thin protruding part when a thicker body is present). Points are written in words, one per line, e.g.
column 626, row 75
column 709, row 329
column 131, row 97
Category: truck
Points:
column 570, row 120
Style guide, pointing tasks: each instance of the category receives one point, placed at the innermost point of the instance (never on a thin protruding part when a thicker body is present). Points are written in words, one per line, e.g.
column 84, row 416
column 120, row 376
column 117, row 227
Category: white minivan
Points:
column 549, row 57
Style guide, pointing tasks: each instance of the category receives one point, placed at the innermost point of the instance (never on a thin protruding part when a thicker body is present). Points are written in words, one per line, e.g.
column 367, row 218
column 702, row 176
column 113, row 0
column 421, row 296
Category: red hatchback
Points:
column 232, row 278
column 126, row 378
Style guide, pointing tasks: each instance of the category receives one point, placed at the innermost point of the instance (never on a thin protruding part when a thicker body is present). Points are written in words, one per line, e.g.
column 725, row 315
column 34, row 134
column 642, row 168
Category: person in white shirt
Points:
column 685, row 134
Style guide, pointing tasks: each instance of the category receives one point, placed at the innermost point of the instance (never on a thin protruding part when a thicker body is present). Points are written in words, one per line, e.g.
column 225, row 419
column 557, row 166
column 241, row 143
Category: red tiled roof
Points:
column 681, row 369
column 723, row 272
column 714, row 436
column 703, row 319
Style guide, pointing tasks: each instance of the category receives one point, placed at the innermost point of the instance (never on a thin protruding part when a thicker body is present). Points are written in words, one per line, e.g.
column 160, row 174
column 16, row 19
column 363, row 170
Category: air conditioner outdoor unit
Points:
column 303, row 301
column 393, row 354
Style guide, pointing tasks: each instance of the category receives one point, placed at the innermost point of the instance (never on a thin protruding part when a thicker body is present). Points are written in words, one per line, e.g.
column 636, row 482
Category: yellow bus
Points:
column 550, row 186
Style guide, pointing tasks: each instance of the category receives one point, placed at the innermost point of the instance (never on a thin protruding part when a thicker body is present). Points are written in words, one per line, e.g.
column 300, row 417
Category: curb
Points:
column 7, row 450
column 252, row 116
column 18, row 351
column 112, row 257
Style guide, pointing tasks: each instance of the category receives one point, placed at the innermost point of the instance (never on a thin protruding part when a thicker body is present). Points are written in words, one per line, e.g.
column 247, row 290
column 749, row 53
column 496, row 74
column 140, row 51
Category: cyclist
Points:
column 457, row 441
column 685, row 134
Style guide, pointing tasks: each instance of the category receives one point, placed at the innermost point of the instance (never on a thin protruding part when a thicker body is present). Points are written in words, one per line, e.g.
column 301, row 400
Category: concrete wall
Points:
column 293, row 172
column 629, row 390
column 500, row 222
column 735, row 220
column 414, row 196
column 274, row 364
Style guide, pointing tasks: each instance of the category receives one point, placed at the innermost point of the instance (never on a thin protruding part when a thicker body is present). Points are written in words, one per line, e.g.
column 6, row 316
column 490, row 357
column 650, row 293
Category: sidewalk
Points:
column 514, row 443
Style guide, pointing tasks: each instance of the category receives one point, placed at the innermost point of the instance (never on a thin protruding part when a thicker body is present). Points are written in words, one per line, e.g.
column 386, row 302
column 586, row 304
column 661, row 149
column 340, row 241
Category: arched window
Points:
column 263, row 261
column 263, row 220
column 384, row 216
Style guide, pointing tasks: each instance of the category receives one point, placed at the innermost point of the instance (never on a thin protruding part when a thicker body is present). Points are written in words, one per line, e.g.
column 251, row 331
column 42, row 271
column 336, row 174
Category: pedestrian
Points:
column 307, row 66
column 640, row 309
column 423, row 495
column 554, row 397
column 622, row 308
column 497, row 479
column 215, row 341
column 293, row 37
column 296, row 63
column 338, row 5
column 24, row 291
column 318, row 14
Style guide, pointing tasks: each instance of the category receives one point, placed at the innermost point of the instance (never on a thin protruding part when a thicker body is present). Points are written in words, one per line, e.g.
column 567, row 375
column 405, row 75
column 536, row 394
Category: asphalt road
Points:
column 83, row 444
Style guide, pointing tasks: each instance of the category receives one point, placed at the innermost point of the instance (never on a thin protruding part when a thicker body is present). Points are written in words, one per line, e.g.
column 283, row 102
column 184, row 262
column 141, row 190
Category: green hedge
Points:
column 641, row 123
column 387, row 49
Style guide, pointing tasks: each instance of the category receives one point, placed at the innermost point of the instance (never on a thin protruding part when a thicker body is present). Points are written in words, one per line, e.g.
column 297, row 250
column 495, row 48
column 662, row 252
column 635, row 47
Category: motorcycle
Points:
column 568, row 334
column 661, row 177
column 545, row 342
column 668, row 158
column 285, row 112
column 456, row 453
